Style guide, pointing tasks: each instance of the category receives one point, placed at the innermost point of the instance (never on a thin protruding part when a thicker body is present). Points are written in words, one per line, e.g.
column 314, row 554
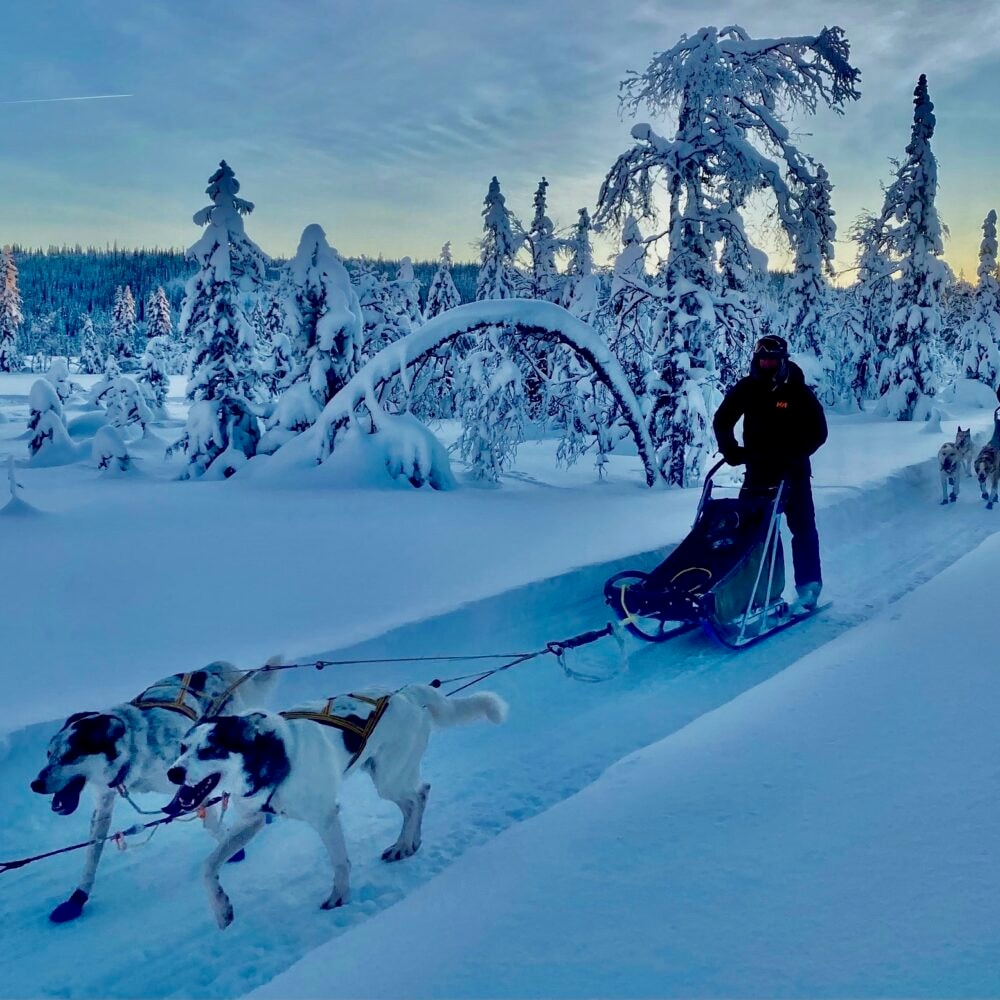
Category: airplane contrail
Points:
column 52, row 100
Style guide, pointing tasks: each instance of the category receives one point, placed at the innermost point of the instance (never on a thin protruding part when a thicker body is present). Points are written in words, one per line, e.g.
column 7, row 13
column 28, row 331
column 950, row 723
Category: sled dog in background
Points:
column 965, row 449
column 954, row 458
column 951, row 472
column 988, row 464
column 292, row 764
column 132, row 746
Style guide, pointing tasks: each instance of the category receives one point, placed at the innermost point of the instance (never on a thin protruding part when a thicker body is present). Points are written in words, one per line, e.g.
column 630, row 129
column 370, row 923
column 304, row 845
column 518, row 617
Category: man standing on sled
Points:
column 783, row 424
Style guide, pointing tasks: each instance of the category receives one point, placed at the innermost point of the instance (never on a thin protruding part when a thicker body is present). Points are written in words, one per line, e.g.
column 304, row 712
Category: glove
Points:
column 735, row 455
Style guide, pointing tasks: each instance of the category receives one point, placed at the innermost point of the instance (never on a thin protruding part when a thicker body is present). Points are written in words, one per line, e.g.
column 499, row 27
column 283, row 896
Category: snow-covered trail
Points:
column 148, row 931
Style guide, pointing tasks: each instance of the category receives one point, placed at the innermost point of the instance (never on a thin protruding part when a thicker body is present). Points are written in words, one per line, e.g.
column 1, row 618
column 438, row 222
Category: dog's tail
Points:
column 455, row 711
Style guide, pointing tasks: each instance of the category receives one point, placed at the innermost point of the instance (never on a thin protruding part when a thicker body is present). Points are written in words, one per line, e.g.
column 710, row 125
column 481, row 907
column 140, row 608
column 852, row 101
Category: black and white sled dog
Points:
column 954, row 460
column 291, row 764
column 132, row 746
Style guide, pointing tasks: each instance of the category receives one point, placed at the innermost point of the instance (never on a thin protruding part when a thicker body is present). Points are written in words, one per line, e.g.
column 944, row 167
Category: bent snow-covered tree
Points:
column 912, row 239
column 222, row 431
column 11, row 317
column 323, row 318
column 513, row 325
column 48, row 440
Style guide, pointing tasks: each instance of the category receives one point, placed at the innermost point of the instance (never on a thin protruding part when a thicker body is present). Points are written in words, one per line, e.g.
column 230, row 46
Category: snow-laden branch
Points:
column 525, row 318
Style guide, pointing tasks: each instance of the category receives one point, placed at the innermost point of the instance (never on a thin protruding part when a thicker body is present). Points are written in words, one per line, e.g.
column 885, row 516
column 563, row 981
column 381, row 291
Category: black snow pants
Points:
column 797, row 506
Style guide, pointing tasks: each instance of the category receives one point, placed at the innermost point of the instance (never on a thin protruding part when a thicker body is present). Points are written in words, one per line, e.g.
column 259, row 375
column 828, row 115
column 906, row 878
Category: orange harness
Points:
column 360, row 728
column 150, row 698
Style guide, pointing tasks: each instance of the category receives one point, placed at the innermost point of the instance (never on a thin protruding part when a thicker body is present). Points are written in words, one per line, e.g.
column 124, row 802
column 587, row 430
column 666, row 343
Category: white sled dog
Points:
column 132, row 746
column 292, row 763
column 954, row 458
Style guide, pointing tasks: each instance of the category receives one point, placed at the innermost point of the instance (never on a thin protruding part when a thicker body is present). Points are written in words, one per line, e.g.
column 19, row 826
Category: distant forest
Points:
column 59, row 284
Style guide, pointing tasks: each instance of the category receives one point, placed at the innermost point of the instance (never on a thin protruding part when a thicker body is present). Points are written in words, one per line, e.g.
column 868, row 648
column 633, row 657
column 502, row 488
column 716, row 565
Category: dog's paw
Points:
column 239, row 856
column 70, row 909
column 944, row 502
column 224, row 915
column 335, row 902
column 397, row 853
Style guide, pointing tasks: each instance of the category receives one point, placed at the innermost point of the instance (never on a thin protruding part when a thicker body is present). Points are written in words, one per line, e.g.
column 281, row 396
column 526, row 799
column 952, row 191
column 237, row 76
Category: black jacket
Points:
column 783, row 424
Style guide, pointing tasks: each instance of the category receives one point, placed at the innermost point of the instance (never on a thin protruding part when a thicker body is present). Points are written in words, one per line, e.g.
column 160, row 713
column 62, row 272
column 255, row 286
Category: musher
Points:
column 783, row 425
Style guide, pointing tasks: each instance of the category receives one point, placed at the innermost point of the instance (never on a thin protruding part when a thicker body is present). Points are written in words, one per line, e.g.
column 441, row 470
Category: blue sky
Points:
column 384, row 120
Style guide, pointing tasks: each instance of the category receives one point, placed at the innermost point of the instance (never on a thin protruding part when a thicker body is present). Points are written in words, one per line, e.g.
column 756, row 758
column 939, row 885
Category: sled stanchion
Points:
column 769, row 540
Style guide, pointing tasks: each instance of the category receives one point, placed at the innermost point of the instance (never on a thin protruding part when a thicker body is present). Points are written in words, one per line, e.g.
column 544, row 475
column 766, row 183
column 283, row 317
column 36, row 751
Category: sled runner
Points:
column 727, row 576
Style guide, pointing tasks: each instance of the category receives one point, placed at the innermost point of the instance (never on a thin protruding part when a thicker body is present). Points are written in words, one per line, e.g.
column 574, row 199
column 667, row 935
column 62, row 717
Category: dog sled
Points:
column 727, row 576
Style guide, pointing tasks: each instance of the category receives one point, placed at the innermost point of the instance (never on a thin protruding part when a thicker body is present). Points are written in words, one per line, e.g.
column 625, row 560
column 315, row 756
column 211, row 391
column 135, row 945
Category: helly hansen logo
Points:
column 782, row 404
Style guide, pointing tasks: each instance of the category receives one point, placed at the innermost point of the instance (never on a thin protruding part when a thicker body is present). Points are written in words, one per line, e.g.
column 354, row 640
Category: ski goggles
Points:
column 772, row 348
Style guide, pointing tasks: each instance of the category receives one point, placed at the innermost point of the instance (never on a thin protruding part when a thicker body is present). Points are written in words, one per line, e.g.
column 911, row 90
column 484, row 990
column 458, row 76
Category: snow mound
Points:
column 110, row 453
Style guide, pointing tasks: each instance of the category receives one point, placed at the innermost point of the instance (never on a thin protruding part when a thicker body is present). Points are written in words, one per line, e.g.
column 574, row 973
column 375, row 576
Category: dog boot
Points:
column 808, row 598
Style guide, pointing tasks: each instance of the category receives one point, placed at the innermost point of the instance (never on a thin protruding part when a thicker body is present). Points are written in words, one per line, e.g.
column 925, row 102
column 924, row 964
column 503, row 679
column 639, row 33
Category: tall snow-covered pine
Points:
column 222, row 430
column 914, row 243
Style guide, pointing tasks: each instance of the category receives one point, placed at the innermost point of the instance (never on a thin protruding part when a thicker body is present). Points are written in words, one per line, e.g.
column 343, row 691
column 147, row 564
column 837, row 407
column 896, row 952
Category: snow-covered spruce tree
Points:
column 498, row 277
column 11, row 317
column 121, row 336
column 58, row 375
column 491, row 406
column 109, row 452
column 813, row 245
column 91, row 358
column 406, row 291
column 874, row 292
column 222, row 430
column 442, row 295
column 49, row 441
column 680, row 424
column 323, row 316
column 581, row 288
column 126, row 406
column 625, row 317
column 542, row 241
column 741, row 302
column 847, row 356
column 384, row 320
column 277, row 356
column 913, row 241
column 724, row 89
column 159, row 322
column 154, row 374
column 981, row 335
column 99, row 390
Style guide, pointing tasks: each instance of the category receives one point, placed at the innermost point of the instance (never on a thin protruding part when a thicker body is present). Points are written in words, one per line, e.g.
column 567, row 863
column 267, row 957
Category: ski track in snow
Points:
column 148, row 931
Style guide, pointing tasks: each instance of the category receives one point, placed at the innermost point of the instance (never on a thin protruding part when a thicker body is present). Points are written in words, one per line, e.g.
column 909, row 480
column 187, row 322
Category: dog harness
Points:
column 177, row 694
column 354, row 714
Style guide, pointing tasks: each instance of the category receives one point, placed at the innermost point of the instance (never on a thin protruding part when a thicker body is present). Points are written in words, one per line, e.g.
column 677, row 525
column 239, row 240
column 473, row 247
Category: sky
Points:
column 384, row 120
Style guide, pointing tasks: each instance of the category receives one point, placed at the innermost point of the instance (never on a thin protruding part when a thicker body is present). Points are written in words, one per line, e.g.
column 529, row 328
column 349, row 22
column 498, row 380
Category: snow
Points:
column 155, row 576
column 828, row 833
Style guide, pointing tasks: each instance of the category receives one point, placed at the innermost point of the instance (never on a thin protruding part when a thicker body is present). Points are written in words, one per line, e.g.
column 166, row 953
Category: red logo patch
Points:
column 782, row 404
